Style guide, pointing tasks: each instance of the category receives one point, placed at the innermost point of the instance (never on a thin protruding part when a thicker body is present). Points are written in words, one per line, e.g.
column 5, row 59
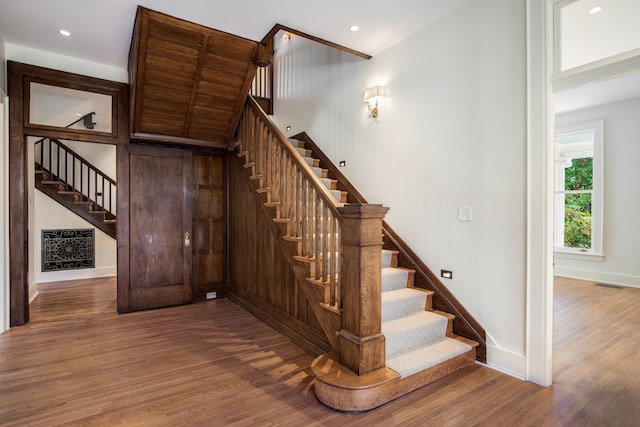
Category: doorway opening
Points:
column 88, row 117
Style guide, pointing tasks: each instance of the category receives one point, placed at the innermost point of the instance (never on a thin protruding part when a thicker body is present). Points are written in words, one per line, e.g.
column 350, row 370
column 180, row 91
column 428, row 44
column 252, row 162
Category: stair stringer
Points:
column 78, row 209
column 330, row 320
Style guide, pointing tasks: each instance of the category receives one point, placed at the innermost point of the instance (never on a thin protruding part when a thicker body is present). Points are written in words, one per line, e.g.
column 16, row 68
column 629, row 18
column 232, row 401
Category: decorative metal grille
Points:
column 68, row 249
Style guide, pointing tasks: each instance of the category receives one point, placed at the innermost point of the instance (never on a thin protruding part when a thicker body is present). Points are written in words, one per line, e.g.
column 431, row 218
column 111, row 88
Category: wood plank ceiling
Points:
column 188, row 82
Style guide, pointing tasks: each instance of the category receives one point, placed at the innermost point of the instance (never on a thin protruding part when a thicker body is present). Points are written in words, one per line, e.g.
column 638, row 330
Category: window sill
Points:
column 578, row 256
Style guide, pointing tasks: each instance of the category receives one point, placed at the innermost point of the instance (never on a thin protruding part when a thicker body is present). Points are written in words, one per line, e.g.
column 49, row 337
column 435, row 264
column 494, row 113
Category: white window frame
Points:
column 599, row 70
column 597, row 128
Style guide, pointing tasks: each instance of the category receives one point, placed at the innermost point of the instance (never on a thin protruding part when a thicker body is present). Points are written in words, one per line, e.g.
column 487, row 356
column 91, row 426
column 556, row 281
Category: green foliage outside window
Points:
column 577, row 219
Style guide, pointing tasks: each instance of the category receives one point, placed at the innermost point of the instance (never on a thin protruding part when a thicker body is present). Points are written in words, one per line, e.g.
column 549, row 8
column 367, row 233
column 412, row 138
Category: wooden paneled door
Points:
column 154, row 241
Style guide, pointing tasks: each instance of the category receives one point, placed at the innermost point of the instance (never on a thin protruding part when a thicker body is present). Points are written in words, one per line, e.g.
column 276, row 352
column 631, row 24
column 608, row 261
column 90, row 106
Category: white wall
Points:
column 49, row 215
column 621, row 233
column 452, row 133
column 64, row 63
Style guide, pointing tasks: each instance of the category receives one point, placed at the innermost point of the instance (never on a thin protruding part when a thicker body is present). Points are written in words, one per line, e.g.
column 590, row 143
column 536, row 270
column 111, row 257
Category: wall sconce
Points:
column 372, row 95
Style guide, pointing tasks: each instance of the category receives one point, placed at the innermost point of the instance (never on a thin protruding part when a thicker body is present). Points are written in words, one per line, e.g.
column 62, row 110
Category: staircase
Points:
column 417, row 337
column 76, row 184
column 387, row 339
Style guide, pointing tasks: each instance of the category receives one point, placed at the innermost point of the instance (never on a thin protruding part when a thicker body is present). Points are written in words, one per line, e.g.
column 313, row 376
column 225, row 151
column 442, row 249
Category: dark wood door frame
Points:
column 19, row 77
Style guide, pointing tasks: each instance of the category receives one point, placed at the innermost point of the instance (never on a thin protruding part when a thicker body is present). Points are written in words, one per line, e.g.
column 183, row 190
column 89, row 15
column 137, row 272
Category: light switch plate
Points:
column 464, row 214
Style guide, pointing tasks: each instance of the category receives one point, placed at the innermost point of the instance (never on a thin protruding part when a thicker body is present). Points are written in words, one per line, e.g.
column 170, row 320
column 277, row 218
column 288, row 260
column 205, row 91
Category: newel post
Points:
column 361, row 343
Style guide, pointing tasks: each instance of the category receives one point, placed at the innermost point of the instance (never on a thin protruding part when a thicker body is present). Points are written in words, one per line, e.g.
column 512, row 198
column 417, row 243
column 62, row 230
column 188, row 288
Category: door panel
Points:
column 159, row 258
column 208, row 226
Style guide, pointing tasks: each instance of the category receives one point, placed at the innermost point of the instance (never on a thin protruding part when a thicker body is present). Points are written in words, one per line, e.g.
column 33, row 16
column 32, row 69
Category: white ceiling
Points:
column 101, row 29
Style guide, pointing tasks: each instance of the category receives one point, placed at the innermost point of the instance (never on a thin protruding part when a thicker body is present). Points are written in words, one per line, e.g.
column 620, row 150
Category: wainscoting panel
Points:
column 260, row 278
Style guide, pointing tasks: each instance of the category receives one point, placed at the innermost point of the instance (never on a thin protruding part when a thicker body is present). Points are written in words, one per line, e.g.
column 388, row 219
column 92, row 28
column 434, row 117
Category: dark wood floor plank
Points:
column 214, row 364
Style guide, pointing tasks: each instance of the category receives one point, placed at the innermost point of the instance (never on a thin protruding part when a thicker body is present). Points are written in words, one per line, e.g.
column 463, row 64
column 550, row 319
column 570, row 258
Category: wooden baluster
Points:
column 308, row 213
column 58, row 162
column 73, row 173
column 252, row 136
column 263, row 158
column 333, row 260
column 361, row 343
column 81, row 182
column 317, row 235
column 291, row 185
column 66, row 171
column 298, row 204
column 280, row 178
column 275, row 168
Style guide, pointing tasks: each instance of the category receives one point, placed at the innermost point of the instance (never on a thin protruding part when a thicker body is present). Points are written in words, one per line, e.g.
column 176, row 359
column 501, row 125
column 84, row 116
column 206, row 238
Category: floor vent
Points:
column 607, row 285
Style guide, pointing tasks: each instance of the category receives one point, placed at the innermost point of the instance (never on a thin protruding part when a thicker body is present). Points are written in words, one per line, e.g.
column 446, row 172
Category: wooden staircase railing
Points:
column 262, row 88
column 465, row 324
column 71, row 175
column 338, row 248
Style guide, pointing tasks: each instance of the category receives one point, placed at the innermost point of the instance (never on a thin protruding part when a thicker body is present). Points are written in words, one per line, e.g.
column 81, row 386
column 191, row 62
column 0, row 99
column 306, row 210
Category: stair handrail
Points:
column 330, row 234
column 71, row 186
column 301, row 199
column 326, row 195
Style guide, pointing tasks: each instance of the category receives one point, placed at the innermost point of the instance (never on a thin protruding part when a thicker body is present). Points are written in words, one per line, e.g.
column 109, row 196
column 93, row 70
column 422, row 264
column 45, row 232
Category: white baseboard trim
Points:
column 88, row 273
column 597, row 276
column 507, row 362
column 35, row 294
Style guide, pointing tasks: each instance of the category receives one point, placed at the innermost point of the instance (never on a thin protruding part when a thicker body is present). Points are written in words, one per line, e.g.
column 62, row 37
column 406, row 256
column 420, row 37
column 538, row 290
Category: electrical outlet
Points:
column 446, row 274
column 211, row 295
column 343, row 163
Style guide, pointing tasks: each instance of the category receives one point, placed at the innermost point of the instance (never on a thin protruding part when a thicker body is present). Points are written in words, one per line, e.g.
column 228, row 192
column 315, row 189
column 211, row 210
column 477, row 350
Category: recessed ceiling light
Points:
column 65, row 33
column 354, row 28
column 595, row 9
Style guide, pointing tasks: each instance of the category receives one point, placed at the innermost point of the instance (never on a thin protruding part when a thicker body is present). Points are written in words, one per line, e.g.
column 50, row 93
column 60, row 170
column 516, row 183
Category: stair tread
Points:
column 329, row 183
column 296, row 143
column 414, row 330
column 318, row 171
column 337, row 194
column 419, row 358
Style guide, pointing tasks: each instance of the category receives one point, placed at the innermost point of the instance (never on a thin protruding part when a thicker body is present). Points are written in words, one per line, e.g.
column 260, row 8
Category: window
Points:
column 578, row 189
column 70, row 108
column 588, row 36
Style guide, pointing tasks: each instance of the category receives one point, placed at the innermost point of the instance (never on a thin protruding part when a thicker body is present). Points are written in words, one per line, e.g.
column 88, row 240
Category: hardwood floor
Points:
column 214, row 364
column 60, row 300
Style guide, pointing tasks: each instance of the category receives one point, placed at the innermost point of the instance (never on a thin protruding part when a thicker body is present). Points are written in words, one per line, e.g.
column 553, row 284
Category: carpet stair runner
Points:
column 420, row 346
column 331, row 184
column 416, row 337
